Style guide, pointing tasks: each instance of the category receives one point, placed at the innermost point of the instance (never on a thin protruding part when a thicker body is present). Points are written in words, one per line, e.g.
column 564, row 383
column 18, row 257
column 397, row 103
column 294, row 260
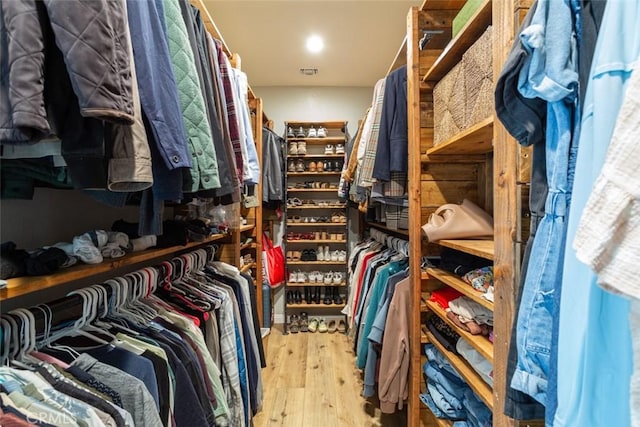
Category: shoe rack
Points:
column 315, row 237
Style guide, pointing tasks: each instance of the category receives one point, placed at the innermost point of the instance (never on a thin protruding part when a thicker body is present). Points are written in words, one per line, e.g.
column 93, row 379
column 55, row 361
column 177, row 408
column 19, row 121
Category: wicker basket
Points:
column 477, row 63
column 448, row 105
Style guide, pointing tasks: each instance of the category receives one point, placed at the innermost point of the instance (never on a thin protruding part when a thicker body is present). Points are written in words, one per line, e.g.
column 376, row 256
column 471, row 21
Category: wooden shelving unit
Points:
column 475, row 381
column 460, row 285
column 316, row 206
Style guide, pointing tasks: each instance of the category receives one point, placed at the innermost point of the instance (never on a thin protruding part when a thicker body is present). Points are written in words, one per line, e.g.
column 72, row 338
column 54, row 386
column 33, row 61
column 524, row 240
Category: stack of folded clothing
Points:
column 470, row 316
column 448, row 396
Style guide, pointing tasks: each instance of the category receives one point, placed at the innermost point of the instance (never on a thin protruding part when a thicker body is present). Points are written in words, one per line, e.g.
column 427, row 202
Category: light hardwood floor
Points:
column 311, row 381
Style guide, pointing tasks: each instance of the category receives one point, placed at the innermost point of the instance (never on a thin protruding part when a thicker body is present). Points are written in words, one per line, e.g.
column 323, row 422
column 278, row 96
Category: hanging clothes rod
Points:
column 399, row 244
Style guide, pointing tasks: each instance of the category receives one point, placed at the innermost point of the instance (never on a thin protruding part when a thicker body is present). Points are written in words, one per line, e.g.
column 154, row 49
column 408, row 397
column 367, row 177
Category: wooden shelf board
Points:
column 333, row 124
column 460, row 285
column 478, row 139
column 316, row 224
column 252, row 245
column 475, row 381
column 480, row 343
column 401, row 57
column 326, row 140
column 316, row 207
column 428, row 5
column 383, row 227
column 423, row 335
column 314, row 241
column 481, row 248
column 247, row 267
column 312, row 190
column 424, row 297
column 316, row 156
column 317, row 262
column 316, row 305
column 307, row 284
column 312, row 173
column 247, row 227
column 452, row 54
column 21, row 286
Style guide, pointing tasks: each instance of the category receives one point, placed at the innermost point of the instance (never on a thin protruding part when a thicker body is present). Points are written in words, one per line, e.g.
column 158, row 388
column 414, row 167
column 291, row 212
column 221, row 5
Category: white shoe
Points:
column 302, row 277
column 293, row 277
column 322, row 132
column 327, row 255
column 293, row 148
column 300, row 132
column 342, row 257
column 320, row 253
column 335, row 255
column 328, row 278
column 339, row 149
column 312, row 133
column 328, row 149
column 337, row 278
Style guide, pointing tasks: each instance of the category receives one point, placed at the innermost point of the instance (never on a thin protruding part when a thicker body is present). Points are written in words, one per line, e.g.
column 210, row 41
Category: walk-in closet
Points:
column 258, row 213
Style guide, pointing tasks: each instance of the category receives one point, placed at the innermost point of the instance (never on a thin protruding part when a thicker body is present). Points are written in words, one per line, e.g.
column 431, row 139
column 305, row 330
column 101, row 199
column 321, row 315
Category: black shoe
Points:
column 311, row 255
column 298, row 297
column 289, row 297
column 327, row 296
column 337, row 298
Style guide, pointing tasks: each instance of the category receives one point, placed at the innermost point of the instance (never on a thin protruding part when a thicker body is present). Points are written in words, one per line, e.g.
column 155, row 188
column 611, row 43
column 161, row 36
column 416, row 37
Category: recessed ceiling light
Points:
column 315, row 44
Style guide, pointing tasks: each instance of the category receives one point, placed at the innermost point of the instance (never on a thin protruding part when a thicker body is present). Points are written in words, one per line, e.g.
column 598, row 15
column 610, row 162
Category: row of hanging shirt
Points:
column 121, row 97
column 173, row 345
column 379, row 317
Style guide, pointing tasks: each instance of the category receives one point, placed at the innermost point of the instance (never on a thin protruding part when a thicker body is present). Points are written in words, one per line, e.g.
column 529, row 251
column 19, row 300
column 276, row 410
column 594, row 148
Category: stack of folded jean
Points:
column 448, row 396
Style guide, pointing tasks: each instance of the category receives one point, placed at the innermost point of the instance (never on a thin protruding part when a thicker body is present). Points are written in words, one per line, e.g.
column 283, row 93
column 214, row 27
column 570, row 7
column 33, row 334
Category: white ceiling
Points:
column 361, row 38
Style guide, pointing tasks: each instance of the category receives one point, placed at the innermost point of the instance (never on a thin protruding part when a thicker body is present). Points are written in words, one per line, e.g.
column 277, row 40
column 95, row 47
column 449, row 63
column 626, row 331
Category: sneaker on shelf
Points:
column 300, row 166
column 312, row 133
column 290, row 133
column 342, row 257
column 340, row 149
column 327, row 254
column 335, row 256
column 320, row 253
column 337, row 278
column 293, row 148
column 300, row 132
column 302, row 148
column 328, row 278
column 293, row 277
column 302, row 277
column 329, row 149
column 292, row 166
column 322, row 132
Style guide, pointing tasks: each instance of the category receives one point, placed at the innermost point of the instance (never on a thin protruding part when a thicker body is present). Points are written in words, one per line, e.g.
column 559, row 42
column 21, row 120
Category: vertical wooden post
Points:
column 506, row 213
column 415, row 238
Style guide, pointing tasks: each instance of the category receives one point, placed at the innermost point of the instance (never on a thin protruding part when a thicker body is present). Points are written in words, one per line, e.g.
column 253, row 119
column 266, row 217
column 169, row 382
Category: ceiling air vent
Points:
column 308, row 71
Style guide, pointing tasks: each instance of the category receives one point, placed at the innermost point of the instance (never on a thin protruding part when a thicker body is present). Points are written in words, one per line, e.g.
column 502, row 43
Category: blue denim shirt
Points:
column 550, row 74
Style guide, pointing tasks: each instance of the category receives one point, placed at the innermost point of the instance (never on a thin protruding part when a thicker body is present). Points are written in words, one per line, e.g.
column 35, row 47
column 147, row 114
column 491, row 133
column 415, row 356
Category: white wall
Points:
column 56, row 215
column 314, row 104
